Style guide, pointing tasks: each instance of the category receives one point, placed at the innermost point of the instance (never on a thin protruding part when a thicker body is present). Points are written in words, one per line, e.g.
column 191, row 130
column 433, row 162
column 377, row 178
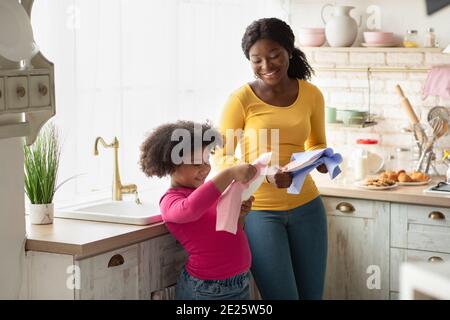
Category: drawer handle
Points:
column 436, row 215
column 0, row 94
column 43, row 89
column 435, row 259
column 116, row 260
column 345, row 207
column 21, row 92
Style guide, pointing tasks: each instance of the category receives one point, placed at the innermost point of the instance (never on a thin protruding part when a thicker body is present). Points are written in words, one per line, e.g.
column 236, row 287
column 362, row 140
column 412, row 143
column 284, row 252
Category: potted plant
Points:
column 41, row 162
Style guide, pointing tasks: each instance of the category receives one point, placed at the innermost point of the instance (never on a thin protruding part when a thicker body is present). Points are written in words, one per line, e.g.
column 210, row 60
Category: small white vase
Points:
column 41, row 213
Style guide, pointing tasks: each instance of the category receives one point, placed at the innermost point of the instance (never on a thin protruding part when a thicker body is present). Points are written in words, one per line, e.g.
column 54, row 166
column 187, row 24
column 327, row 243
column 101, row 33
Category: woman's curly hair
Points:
column 279, row 31
column 156, row 150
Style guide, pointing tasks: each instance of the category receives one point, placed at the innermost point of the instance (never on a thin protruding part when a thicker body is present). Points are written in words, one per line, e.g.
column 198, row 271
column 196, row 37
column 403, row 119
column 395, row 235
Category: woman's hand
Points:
column 280, row 179
column 245, row 208
column 243, row 172
column 322, row 168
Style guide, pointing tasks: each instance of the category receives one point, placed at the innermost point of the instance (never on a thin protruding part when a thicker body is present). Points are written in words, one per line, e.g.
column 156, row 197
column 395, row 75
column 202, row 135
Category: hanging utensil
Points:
column 419, row 132
column 440, row 128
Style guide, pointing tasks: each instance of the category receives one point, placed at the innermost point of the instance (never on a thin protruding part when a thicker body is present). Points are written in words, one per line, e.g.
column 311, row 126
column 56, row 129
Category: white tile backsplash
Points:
column 349, row 90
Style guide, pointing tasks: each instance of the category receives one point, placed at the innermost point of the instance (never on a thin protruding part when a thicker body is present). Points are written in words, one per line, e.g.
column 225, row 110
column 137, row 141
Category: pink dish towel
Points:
column 437, row 83
column 229, row 204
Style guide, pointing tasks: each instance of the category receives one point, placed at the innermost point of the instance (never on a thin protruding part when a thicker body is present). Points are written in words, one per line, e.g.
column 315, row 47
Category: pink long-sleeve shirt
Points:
column 190, row 216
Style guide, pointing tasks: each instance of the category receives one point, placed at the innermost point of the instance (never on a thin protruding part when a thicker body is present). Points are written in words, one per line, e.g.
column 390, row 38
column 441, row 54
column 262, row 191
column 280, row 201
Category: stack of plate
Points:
column 379, row 39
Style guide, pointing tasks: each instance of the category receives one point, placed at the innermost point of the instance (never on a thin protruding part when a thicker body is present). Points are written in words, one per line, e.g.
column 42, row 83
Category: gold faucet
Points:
column 117, row 189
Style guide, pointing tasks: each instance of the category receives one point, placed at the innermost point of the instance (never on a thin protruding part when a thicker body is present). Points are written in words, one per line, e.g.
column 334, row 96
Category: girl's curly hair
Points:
column 278, row 31
column 156, row 150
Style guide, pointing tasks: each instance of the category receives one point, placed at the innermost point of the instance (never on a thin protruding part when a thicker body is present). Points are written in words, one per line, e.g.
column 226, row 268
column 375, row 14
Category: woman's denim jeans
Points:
column 233, row 288
column 289, row 251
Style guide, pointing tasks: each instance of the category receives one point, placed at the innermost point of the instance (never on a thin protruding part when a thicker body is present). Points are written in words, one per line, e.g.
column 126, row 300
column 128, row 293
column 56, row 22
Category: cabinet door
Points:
column 161, row 261
column 112, row 275
column 358, row 249
column 399, row 256
column 420, row 227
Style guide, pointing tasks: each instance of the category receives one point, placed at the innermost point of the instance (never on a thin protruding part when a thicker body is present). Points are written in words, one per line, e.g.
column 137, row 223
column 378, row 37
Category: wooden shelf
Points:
column 373, row 49
column 342, row 125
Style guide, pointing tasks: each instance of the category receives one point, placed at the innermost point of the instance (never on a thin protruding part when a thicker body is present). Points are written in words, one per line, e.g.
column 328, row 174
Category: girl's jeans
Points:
column 233, row 288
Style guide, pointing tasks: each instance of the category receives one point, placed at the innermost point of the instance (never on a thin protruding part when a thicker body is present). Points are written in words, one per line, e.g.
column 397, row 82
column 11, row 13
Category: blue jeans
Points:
column 289, row 251
column 233, row 288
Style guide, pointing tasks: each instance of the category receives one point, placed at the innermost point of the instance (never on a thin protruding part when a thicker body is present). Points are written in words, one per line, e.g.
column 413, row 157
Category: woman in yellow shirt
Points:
column 280, row 112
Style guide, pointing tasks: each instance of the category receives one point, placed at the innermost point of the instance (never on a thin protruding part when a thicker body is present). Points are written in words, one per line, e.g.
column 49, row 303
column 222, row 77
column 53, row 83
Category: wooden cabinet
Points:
column 161, row 261
column 358, row 249
column 366, row 236
column 420, row 227
column 144, row 270
column 418, row 233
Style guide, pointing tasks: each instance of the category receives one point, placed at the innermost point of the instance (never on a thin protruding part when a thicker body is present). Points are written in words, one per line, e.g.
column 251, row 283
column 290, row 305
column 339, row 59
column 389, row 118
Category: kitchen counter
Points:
column 87, row 238
column 401, row 194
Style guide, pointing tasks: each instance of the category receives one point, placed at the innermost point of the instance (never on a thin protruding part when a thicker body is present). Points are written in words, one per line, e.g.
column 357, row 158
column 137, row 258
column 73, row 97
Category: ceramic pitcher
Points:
column 341, row 29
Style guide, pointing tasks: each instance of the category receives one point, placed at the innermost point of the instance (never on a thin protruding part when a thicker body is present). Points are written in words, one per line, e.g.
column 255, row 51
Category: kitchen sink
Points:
column 127, row 212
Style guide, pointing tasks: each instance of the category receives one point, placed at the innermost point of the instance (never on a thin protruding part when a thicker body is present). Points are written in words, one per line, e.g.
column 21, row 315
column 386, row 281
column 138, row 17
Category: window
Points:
column 123, row 67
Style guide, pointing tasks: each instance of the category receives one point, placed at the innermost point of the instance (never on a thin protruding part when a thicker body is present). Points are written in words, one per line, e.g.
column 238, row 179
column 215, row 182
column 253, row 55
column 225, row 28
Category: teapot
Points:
column 341, row 29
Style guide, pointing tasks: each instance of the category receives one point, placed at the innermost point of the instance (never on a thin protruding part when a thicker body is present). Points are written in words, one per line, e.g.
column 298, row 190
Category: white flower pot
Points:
column 41, row 213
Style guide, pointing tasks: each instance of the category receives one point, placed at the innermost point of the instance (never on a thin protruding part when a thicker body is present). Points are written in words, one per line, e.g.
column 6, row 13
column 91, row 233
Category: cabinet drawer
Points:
column 39, row 91
column 398, row 256
column 420, row 227
column 16, row 92
column 355, row 208
column 112, row 275
column 2, row 94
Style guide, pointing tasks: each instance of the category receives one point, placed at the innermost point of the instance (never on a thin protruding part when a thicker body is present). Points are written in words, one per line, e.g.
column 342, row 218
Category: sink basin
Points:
column 113, row 211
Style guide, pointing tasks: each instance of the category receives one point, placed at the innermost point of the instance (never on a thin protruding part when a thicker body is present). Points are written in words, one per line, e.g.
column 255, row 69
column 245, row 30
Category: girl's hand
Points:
column 243, row 172
column 281, row 179
column 245, row 208
column 322, row 168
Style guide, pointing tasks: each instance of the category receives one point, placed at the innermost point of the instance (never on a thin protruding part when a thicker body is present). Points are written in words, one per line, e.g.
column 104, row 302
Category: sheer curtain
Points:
column 122, row 67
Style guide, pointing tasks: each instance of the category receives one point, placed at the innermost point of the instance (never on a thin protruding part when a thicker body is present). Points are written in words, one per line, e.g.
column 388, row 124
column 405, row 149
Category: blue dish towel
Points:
column 326, row 156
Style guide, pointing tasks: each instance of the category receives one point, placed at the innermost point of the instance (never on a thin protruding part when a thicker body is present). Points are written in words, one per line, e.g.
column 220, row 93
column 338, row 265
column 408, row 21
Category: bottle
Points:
column 430, row 39
column 410, row 40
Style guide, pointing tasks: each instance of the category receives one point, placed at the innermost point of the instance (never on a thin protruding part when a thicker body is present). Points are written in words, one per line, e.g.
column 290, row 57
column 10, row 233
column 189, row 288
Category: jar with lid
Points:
column 403, row 159
column 430, row 39
column 410, row 39
column 367, row 158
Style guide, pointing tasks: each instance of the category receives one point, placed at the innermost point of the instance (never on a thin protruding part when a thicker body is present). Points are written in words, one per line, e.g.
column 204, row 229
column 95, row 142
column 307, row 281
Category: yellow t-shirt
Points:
column 298, row 127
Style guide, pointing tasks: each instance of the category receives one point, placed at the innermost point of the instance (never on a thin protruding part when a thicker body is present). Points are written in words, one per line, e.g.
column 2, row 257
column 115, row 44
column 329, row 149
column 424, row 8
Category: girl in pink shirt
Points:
column 219, row 262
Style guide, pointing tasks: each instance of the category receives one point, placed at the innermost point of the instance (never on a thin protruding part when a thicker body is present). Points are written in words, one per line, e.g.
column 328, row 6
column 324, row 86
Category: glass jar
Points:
column 403, row 159
column 367, row 158
column 410, row 39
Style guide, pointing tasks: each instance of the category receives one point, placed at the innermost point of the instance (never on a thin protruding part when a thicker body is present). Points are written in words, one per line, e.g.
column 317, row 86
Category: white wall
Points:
column 12, row 218
column 396, row 16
